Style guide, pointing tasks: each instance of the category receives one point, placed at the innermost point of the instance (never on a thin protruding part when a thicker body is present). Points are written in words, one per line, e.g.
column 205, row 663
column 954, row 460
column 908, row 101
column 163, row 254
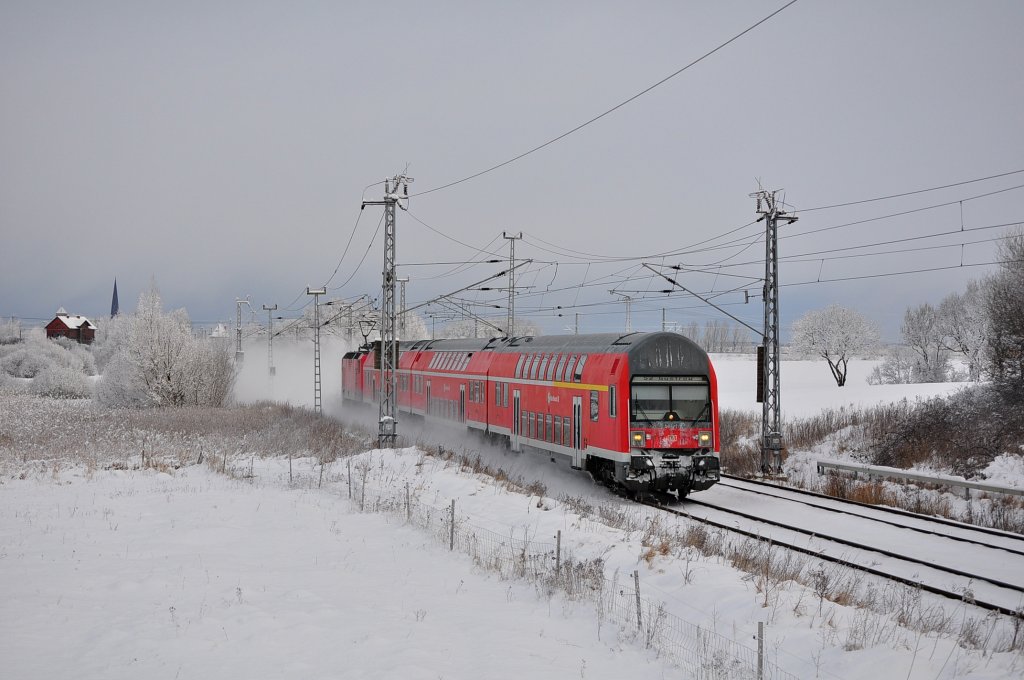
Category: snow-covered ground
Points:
column 192, row 573
column 808, row 388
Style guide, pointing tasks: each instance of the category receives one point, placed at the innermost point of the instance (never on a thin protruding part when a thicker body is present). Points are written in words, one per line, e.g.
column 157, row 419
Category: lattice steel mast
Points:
column 512, row 238
column 388, row 423
column 769, row 392
column 316, row 293
column 270, row 309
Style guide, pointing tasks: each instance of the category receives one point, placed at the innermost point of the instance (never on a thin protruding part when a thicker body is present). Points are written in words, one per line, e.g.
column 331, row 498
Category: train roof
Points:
column 648, row 353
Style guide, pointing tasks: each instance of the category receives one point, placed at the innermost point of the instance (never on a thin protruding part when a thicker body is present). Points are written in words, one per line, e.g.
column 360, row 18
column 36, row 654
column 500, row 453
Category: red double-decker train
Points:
column 638, row 411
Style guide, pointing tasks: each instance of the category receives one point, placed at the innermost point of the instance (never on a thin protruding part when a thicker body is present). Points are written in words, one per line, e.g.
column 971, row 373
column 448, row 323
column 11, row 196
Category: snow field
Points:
column 109, row 574
column 196, row 575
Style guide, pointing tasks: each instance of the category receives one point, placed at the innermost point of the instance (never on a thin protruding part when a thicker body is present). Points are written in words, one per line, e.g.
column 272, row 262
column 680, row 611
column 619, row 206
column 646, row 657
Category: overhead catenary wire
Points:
column 910, row 193
column 811, row 254
column 369, row 247
column 740, row 245
column 903, row 212
column 611, row 110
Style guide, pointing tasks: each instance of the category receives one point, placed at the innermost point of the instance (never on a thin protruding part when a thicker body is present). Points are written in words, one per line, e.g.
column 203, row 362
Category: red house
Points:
column 71, row 326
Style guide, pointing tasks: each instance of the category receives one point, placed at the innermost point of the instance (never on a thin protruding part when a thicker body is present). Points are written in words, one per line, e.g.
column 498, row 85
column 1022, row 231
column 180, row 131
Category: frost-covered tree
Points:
column 485, row 328
column 836, row 334
column 35, row 355
column 718, row 336
column 896, row 369
column 922, row 333
column 1004, row 304
column 415, row 327
column 153, row 360
column 10, row 331
column 963, row 324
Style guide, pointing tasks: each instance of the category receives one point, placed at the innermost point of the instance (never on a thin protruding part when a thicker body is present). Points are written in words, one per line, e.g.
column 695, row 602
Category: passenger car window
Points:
column 577, row 375
column 567, row 376
column 560, row 369
column 595, row 410
column 534, row 366
column 543, row 366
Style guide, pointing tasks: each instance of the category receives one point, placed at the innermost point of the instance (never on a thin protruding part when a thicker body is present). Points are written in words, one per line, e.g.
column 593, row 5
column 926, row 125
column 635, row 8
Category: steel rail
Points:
column 909, row 515
column 867, row 569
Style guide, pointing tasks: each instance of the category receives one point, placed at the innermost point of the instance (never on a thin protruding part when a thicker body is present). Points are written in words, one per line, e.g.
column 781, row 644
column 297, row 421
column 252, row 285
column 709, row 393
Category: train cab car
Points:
column 638, row 411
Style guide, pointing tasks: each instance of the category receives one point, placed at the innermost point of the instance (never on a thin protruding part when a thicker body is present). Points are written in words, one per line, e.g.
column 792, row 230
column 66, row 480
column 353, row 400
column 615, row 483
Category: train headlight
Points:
column 637, row 438
column 704, row 439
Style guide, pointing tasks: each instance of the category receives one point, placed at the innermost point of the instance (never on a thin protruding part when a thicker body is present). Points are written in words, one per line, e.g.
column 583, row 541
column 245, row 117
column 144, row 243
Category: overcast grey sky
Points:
column 223, row 149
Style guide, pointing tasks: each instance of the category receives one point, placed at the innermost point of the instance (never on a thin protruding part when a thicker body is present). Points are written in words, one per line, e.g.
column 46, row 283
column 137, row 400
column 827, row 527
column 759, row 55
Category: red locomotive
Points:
column 638, row 410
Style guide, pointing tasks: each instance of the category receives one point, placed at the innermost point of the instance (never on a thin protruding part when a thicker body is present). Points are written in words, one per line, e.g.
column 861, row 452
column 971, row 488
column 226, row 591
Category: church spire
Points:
column 113, row 301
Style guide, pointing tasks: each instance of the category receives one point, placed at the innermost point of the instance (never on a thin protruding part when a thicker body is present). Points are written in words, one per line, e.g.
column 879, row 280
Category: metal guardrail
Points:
column 896, row 473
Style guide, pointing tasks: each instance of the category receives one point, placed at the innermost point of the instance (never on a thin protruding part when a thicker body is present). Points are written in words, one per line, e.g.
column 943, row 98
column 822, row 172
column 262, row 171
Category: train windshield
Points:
column 685, row 404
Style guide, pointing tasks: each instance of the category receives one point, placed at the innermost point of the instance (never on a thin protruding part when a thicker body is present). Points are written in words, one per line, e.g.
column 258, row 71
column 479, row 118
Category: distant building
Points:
column 71, row 326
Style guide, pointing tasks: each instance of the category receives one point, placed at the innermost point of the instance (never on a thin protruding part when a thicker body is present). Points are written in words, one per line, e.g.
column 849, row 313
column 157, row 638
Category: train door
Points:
column 577, row 432
column 515, row 420
column 462, row 403
column 426, row 408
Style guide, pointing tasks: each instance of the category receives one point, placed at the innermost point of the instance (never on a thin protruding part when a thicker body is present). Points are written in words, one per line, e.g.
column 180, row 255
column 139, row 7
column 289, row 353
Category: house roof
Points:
column 73, row 320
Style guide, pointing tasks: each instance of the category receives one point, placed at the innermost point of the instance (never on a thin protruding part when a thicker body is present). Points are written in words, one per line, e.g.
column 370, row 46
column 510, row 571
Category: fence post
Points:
column 350, row 479
column 451, row 529
column 558, row 551
column 760, row 650
column 636, row 583
column 408, row 508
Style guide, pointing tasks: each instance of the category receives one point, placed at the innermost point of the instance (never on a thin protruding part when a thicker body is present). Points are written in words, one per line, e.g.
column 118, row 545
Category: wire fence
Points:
column 703, row 653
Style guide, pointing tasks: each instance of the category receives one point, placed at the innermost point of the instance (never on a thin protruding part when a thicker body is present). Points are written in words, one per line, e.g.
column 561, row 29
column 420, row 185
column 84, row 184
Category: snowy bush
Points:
column 11, row 385
column 81, row 358
column 962, row 433
column 896, row 369
column 62, row 383
column 10, row 332
column 28, row 359
column 24, row 362
column 150, row 358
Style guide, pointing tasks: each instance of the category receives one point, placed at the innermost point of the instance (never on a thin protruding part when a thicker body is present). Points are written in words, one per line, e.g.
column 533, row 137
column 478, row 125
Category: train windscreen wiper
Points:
column 707, row 405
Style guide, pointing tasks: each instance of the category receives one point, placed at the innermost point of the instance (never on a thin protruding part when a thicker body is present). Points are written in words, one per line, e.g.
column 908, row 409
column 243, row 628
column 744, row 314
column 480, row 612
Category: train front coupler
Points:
column 670, row 472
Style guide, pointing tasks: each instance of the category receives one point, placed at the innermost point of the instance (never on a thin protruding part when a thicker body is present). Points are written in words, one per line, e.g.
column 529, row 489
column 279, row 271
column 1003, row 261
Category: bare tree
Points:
column 153, row 360
column 836, row 334
column 897, row 369
column 963, row 324
column 922, row 333
column 10, row 331
column 1004, row 304
column 481, row 328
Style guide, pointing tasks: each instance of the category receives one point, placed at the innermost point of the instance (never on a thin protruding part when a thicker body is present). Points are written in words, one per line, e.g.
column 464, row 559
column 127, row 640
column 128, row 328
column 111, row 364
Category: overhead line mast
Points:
column 316, row 293
column 388, row 422
column 512, row 238
column 769, row 393
column 270, row 309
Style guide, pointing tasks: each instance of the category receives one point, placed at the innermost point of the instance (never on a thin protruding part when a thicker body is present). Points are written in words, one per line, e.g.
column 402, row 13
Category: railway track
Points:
column 957, row 531
column 949, row 559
